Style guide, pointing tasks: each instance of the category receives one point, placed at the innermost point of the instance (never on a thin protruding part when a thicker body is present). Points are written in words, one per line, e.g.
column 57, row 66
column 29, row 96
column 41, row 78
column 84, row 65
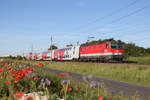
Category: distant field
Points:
column 137, row 74
column 140, row 60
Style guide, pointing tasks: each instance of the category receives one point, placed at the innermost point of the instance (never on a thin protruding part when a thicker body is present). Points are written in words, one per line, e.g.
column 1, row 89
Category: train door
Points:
column 75, row 52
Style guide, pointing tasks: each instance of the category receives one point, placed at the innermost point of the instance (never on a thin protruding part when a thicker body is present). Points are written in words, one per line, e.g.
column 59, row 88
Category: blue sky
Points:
column 24, row 23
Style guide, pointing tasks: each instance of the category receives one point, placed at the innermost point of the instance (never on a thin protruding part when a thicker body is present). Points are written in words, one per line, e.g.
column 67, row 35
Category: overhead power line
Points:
column 109, row 15
column 121, row 29
column 125, row 16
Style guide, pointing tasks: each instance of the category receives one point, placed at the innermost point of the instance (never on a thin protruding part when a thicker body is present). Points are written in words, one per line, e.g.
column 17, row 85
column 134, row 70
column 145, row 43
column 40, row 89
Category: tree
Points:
column 53, row 47
column 69, row 45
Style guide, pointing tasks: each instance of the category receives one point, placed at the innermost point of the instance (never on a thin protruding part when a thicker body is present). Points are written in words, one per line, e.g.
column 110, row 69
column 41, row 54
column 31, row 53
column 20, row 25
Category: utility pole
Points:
column 51, row 48
column 31, row 51
column 23, row 55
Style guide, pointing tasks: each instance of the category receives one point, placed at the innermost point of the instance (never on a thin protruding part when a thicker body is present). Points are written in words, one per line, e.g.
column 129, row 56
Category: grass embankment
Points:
column 139, row 60
column 137, row 74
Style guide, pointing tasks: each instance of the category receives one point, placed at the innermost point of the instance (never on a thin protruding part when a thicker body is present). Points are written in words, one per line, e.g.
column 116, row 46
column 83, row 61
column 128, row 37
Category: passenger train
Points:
column 108, row 51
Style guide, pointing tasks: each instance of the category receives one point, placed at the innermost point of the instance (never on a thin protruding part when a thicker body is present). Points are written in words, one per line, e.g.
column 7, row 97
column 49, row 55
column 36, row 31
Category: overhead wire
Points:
column 125, row 16
column 109, row 15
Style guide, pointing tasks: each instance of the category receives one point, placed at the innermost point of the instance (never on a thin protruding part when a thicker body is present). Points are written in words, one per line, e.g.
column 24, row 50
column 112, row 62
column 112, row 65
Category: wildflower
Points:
column 1, row 70
column 9, row 68
column 29, row 68
column 39, row 86
column 35, row 78
column 18, row 94
column 13, row 72
column 13, row 76
column 48, row 82
column 40, row 64
column 30, row 98
column 94, row 84
column 7, row 82
column 31, row 74
column 7, row 75
column 21, row 94
column 100, row 98
column 65, row 81
column 68, row 74
column 62, row 90
column 77, row 89
column 16, row 81
column 27, row 78
column 60, row 75
column 36, row 65
column 70, row 89
column 87, row 77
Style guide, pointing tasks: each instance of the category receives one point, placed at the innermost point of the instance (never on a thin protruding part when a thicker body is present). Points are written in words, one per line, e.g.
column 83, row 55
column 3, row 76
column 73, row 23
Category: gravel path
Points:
column 113, row 86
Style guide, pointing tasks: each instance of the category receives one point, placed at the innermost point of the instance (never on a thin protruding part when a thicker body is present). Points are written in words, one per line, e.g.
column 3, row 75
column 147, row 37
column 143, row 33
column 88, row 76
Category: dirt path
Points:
column 113, row 86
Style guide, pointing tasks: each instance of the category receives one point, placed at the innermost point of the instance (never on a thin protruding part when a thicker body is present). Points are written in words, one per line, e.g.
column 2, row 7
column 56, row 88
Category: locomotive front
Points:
column 116, row 51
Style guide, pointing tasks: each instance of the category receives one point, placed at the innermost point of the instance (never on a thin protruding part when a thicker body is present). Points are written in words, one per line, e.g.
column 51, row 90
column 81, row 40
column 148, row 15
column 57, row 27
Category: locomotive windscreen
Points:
column 116, row 45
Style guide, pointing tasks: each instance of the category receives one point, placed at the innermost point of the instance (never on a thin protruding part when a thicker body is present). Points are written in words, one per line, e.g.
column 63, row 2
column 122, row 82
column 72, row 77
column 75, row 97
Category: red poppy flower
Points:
column 18, row 94
column 35, row 78
column 77, row 89
column 62, row 90
column 13, row 72
column 7, row 75
column 29, row 98
column 1, row 70
column 68, row 74
column 60, row 75
column 15, row 81
column 70, row 89
column 13, row 76
column 7, row 82
column 40, row 64
column 36, row 65
column 9, row 68
column 21, row 94
column 27, row 78
column 100, row 98
column 30, row 68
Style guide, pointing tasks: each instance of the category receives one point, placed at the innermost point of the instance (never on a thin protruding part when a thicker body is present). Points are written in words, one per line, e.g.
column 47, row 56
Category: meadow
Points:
column 133, row 73
column 139, row 60
column 20, row 80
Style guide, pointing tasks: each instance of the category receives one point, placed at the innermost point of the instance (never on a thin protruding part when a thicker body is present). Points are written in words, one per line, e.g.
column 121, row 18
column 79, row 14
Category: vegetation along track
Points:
column 115, row 87
column 114, row 62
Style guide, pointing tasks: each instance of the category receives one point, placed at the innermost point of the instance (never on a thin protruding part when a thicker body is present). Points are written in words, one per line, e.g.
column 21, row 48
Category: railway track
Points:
column 96, row 62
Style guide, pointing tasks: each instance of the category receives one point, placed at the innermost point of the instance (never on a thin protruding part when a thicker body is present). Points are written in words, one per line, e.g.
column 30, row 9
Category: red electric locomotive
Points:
column 108, row 51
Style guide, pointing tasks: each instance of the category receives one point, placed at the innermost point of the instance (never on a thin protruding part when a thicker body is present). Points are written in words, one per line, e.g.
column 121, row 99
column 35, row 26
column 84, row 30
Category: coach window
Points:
column 99, row 46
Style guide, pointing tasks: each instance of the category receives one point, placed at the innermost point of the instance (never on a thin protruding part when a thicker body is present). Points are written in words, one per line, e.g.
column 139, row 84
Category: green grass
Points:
column 137, row 74
column 139, row 60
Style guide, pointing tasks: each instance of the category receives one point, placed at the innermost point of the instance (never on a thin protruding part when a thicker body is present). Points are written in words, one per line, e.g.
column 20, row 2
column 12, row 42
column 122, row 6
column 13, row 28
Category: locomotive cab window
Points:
column 115, row 45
